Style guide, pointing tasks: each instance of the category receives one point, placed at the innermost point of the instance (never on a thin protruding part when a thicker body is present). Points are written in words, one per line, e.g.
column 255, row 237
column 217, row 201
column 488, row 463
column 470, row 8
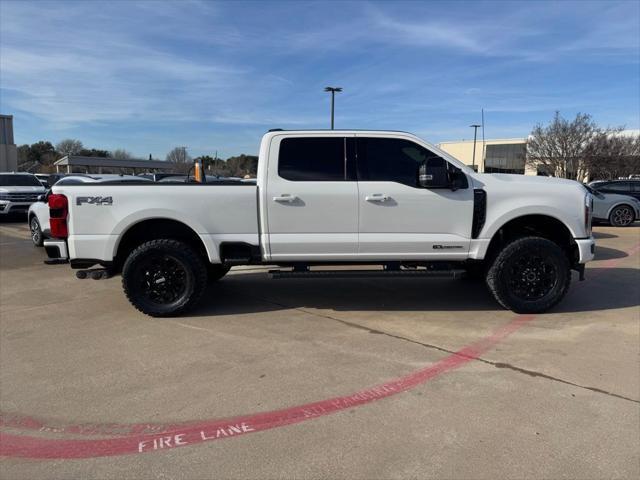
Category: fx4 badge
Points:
column 94, row 200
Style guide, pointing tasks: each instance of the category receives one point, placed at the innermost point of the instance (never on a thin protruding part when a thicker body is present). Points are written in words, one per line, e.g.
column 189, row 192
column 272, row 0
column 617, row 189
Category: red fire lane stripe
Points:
column 33, row 447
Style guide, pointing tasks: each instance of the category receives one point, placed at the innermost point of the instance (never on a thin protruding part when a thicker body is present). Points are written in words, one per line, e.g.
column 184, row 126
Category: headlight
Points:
column 588, row 208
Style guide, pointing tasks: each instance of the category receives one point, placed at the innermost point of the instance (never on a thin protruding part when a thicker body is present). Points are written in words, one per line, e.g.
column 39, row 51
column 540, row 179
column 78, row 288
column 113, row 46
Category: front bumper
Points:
column 7, row 207
column 586, row 249
column 56, row 251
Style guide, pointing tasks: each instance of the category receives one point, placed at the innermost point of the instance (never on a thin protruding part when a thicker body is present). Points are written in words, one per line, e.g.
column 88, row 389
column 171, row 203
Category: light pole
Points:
column 475, row 136
column 333, row 91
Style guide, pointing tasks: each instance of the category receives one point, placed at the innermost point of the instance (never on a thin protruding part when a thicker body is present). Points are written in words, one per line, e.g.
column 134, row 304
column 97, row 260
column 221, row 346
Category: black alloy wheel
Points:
column 529, row 275
column 532, row 277
column 164, row 277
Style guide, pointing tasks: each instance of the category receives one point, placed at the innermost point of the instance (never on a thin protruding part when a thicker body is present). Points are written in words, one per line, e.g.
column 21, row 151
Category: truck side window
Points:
column 392, row 160
column 313, row 159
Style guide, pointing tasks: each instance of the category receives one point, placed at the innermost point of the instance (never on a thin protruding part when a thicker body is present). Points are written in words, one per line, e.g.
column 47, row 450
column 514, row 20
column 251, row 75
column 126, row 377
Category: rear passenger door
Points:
column 311, row 198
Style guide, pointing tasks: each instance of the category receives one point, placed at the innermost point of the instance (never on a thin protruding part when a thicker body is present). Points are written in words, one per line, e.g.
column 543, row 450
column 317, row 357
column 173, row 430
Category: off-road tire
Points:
column 215, row 271
column 622, row 216
column 171, row 263
column 37, row 236
column 546, row 257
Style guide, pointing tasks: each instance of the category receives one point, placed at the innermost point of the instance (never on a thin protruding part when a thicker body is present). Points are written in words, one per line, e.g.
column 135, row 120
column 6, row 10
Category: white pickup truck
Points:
column 330, row 198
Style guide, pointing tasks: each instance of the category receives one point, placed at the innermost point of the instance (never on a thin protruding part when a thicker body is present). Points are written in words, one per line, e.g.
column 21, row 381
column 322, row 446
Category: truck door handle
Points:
column 377, row 197
column 285, row 198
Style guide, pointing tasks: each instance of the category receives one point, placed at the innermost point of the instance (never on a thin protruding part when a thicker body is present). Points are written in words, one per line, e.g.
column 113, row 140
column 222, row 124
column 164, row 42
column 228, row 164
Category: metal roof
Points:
column 76, row 160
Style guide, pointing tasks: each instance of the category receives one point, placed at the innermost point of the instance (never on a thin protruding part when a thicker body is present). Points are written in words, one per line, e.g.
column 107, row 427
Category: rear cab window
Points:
column 315, row 159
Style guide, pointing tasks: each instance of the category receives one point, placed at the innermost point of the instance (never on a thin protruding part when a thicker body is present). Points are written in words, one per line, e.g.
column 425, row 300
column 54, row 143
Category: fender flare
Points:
column 130, row 221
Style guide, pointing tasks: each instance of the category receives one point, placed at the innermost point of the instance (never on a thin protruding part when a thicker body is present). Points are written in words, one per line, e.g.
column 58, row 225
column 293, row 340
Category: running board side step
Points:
column 279, row 274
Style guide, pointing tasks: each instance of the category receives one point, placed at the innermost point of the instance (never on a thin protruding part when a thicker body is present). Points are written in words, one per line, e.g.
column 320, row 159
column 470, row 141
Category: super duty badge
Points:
column 94, row 200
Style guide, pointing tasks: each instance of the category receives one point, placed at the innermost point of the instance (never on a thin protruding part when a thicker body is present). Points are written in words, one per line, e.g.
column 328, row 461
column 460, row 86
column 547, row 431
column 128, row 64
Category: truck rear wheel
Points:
column 164, row 278
column 530, row 275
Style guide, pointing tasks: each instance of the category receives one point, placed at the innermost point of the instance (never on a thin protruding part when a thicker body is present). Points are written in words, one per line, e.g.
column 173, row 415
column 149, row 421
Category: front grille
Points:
column 19, row 197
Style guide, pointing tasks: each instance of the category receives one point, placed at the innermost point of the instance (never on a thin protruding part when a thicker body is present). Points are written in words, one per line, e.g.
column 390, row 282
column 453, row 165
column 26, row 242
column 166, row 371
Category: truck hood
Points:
column 525, row 179
column 18, row 189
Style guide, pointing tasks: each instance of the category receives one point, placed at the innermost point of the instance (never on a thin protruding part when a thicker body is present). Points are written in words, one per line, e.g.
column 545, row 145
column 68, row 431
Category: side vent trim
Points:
column 479, row 211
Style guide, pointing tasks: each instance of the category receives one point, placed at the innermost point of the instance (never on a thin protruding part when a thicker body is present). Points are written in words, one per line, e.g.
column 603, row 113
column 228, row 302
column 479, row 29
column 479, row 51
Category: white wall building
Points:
column 505, row 155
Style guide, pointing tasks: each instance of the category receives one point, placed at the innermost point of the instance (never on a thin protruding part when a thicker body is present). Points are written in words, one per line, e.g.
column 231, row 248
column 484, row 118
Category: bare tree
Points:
column 121, row 154
column 180, row 158
column 611, row 156
column 69, row 146
column 563, row 147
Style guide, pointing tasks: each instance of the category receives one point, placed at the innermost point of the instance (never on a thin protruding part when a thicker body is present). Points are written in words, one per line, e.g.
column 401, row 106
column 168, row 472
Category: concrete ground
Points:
column 550, row 396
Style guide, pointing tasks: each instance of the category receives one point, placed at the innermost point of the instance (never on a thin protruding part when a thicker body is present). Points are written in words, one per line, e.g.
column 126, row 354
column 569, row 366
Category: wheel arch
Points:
column 541, row 225
column 155, row 228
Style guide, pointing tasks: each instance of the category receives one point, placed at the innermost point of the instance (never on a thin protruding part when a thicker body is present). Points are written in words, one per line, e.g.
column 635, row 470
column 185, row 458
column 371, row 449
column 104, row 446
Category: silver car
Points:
column 617, row 210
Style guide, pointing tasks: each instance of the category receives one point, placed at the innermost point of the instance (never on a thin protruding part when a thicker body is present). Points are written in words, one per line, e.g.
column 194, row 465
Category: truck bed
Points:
column 217, row 213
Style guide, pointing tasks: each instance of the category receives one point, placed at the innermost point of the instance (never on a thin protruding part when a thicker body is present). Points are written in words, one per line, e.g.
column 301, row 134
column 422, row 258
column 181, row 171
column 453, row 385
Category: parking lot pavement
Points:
column 464, row 389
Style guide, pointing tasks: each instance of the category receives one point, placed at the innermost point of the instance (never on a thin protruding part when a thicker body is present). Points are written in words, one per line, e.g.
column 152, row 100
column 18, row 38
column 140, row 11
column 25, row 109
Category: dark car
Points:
column 621, row 187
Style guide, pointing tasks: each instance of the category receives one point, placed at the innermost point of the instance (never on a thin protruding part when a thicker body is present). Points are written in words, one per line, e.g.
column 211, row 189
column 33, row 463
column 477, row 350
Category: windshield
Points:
column 19, row 181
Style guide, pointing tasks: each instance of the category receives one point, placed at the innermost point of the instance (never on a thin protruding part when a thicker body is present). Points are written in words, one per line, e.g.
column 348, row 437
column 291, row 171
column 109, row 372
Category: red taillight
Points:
column 58, row 210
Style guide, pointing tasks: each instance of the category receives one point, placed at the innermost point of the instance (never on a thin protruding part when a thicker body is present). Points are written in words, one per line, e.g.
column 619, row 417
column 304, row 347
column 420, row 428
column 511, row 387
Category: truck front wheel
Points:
column 164, row 278
column 530, row 275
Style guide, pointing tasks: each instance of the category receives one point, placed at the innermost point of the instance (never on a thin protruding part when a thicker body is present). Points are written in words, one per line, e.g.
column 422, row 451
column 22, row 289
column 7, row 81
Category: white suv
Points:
column 18, row 191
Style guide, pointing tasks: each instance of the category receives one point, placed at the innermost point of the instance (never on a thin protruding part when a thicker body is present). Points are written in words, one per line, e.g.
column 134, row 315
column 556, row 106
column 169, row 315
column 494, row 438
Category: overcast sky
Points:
column 148, row 76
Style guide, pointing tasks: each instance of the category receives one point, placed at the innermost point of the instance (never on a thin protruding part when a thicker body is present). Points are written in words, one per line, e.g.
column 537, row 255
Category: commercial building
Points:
column 491, row 156
column 78, row 164
column 8, row 150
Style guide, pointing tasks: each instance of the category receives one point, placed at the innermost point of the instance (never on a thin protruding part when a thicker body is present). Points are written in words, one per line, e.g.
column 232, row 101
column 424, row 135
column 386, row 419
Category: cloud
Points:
column 112, row 73
column 172, row 72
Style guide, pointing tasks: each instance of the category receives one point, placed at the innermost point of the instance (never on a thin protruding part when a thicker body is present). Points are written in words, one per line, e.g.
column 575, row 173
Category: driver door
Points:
column 397, row 218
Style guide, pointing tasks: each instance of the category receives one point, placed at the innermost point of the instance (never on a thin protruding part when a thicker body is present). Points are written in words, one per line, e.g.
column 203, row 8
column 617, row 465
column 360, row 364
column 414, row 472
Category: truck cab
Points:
column 354, row 195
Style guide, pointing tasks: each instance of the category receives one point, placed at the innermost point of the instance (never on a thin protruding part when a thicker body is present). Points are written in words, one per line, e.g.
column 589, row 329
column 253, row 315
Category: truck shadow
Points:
column 601, row 235
column 605, row 253
column 604, row 289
